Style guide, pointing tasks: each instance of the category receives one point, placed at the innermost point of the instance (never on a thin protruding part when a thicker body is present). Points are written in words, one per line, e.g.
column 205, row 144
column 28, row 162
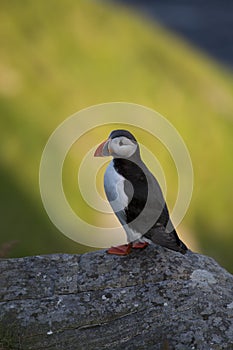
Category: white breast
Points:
column 114, row 188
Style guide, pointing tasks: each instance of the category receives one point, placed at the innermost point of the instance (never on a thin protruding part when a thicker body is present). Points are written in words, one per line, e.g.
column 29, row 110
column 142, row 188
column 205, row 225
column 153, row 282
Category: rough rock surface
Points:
column 151, row 299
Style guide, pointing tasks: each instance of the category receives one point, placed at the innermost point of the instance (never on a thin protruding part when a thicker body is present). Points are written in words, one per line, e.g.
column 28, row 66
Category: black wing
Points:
column 170, row 240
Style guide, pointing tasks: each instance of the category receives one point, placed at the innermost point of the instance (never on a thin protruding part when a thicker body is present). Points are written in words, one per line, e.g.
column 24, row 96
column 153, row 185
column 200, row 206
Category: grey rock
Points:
column 150, row 299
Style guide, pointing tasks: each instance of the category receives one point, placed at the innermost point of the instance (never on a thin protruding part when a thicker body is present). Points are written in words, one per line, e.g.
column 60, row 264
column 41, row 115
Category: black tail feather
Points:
column 170, row 240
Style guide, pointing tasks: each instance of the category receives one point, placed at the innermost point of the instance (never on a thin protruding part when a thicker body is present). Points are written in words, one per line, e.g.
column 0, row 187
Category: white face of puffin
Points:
column 117, row 147
column 121, row 147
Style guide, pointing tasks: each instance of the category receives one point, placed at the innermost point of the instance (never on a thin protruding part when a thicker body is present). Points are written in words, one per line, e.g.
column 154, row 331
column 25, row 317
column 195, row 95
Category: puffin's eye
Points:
column 121, row 143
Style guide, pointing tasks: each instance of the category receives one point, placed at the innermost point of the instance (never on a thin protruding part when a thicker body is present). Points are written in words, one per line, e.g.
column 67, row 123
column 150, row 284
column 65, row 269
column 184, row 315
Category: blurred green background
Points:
column 59, row 57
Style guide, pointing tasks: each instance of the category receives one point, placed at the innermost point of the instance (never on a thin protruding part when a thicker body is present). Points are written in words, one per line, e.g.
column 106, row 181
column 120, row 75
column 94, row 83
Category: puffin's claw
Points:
column 140, row 245
column 124, row 249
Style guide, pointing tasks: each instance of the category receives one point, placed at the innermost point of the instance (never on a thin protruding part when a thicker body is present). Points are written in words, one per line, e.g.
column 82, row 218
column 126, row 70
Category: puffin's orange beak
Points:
column 102, row 150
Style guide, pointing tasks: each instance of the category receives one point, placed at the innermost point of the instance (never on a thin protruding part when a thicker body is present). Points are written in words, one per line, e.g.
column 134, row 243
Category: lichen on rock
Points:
column 150, row 299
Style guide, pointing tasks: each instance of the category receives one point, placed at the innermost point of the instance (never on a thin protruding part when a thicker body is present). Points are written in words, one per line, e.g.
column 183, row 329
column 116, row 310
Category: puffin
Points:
column 136, row 197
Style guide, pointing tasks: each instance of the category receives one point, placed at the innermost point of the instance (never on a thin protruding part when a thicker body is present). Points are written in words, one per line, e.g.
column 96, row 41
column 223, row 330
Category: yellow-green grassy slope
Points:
column 58, row 57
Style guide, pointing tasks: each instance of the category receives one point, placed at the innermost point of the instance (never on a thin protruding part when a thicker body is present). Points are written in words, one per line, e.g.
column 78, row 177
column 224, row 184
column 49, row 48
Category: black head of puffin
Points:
column 120, row 144
column 122, row 133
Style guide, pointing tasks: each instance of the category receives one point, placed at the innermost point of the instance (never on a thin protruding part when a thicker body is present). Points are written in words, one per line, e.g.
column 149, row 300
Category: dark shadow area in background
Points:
column 28, row 227
column 206, row 24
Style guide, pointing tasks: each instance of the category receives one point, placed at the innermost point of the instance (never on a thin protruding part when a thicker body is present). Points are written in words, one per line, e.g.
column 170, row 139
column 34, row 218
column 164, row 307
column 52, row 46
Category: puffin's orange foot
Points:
column 124, row 249
column 140, row 245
